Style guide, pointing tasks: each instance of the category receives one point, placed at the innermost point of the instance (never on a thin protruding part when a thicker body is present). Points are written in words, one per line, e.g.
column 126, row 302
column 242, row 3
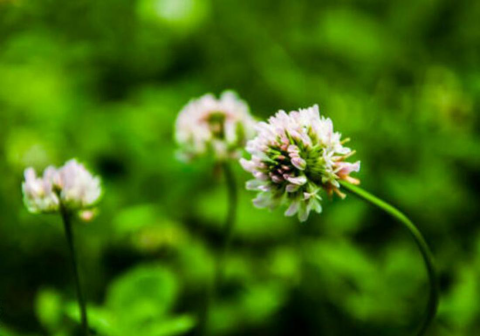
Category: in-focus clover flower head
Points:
column 71, row 187
column 211, row 126
column 293, row 157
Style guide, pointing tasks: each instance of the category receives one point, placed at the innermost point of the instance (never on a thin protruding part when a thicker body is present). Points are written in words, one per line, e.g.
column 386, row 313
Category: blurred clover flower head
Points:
column 294, row 156
column 70, row 186
column 217, row 127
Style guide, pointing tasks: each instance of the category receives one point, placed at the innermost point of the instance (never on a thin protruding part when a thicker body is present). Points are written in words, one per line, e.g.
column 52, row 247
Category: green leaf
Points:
column 99, row 319
column 171, row 326
column 141, row 295
column 48, row 308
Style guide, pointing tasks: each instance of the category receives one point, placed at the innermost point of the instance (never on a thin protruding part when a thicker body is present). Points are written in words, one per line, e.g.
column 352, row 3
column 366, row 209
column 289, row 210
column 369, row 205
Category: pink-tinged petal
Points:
column 292, row 209
column 87, row 215
column 254, row 184
column 346, row 168
column 300, row 180
column 30, row 175
column 50, row 172
column 291, row 188
column 295, row 135
column 265, row 187
column 277, row 179
column 292, row 149
column 261, row 176
column 263, row 200
column 299, row 163
column 29, row 189
column 249, row 166
column 51, row 178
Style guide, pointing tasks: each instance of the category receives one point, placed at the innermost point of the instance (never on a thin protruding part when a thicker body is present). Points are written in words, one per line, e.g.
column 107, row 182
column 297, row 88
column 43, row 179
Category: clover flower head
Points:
column 78, row 188
column 38, row 194
column 70, row 186
column 208, row 125
column 293, row 157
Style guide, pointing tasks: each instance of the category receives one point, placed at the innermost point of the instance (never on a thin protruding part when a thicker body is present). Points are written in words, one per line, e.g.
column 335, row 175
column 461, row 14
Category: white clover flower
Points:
column 70, row 186
column 78, row 189
column 294, row 156
column 218, row 126
column 38, row 193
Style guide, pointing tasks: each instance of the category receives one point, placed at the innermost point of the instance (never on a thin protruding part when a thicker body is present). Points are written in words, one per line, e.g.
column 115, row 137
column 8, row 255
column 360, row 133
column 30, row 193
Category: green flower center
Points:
column 216, row 122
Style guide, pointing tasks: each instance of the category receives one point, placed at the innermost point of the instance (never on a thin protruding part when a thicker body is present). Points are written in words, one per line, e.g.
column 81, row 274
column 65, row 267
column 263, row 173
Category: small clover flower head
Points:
column 38, row 194
column 71, row 187
column 294, row 157
column 78, row 189
column 220, row 127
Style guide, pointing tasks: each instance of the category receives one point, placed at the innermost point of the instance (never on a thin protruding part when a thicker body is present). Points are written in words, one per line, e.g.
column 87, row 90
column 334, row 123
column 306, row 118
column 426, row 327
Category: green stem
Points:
column 228, row 229
column 433, row 299
column 229, row 225
column 67, row 223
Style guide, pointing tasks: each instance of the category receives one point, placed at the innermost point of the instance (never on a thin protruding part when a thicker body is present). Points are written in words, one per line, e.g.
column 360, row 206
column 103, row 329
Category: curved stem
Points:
column 228, row 229
column 67, row 223
column 433, row 299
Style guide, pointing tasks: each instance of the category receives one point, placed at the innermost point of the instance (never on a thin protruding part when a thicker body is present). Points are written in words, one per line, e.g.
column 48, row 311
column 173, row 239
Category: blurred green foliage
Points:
column 103, row 81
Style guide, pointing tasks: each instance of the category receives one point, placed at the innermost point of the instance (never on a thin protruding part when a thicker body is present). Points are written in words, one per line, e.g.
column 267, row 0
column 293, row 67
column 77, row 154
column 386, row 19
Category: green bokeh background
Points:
column 103, row 81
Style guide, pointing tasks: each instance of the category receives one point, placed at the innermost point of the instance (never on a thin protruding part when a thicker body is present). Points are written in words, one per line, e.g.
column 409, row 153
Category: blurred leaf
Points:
column 49, row 308
column 179, row 14
column 460, row 306
column 143, row 294
column 355, row 36
column 99, row 319
column 255, row 305
column 170, row 326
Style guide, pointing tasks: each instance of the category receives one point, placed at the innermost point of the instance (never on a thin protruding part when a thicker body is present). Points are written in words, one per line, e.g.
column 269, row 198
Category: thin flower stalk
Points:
column 227, row 237
column 70, row 191
column 216, row 128
column 433, row 296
